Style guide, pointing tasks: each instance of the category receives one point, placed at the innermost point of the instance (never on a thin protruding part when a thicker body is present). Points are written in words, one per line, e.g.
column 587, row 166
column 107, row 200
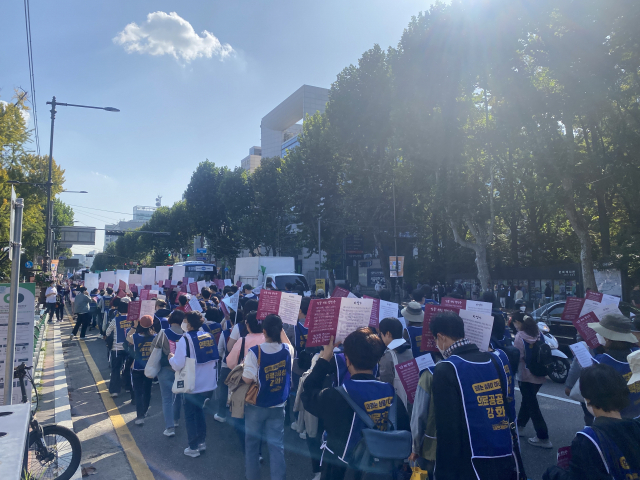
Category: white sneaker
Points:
column 303, row 435
column 202, row 447
column 191, row 453
column 139, row 421
column 114, row 395
column 169, row 432
column 218, row 418
column 294, row 426
column 536, row 442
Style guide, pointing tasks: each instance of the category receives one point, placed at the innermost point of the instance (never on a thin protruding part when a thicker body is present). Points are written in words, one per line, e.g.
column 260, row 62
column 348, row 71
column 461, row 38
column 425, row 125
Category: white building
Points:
column 252, row 161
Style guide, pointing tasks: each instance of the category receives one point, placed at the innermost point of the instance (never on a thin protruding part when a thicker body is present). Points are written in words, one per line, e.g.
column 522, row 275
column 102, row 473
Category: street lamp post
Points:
column 54, row 103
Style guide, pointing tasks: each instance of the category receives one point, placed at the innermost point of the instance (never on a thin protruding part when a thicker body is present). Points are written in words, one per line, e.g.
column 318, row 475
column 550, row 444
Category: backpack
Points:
column 377, row 453
column 539, row 358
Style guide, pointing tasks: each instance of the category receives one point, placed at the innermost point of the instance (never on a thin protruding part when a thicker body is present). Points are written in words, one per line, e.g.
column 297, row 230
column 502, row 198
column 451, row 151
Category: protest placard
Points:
column 336, row 317
column 193, row 289
column 144, row 294
column 200, row 285
column 409, row 374
column 135, row 278
column 162, row 273
column 594, row 300
column 148, row 307
column 134, row 310
column 232, row 301
column 148, row 276
column 380, row 310
column 227, row 282
column 468, row 305
column 477, row 328
column 195, row 304
column 340, row 292
column 572, row 308
column 286, row 305
column 581, row 353
column 564, row 457
column 594, row 316
column 220, row 284
column 133, row 288
column 427, row 342
column 100, row 285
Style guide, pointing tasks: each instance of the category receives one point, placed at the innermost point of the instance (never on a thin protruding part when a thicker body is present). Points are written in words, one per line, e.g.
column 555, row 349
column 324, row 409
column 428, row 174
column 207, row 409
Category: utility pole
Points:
column 47, row 244
column 16, row 245
column 395, row 239
column 319, row 249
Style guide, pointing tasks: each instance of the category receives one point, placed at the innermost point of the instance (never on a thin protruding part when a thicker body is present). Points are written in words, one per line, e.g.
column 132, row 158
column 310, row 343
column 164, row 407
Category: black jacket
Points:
column 329, row 406
column 586, row 463
column 453, row 452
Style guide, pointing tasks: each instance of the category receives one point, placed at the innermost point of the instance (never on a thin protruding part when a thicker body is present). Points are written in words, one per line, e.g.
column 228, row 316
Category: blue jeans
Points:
column 194, row 418
column 171, row 402
column 272, row 421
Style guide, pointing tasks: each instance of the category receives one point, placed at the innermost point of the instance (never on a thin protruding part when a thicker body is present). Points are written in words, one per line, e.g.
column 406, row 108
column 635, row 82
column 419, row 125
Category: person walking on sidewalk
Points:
column 526, row 338
column 141, row 337
column 116, row 336
column 51, row 294
column 82, row 310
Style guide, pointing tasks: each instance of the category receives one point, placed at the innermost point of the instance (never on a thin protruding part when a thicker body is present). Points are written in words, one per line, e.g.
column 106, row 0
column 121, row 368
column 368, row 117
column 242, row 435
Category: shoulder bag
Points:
column 515, row 441
column 185, row 379
column 252, row 394
column 153, row 366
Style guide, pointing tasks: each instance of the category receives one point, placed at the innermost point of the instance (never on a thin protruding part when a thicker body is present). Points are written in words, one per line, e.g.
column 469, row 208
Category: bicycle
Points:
column 54, row 452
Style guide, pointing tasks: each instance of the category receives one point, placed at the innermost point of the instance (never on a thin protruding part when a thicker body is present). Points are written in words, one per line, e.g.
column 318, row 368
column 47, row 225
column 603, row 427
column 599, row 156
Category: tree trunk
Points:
column 603, row 222
column 513, row 207
column 480, row 248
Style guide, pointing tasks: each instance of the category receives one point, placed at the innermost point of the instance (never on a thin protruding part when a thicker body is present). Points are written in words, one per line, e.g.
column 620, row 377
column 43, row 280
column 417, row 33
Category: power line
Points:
column 99, row 209
column 32, row 82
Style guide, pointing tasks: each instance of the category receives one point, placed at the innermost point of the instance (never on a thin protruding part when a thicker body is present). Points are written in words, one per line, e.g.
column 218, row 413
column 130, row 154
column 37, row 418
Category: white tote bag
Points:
column 152, row 368
column 185, row 379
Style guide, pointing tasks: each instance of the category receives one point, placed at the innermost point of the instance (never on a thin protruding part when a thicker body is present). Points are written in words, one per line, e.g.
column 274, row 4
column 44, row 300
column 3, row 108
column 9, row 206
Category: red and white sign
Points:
column 340, row 292
column 409, row 374
column 144, row 294
column 286, row 305
column 381, row 309
column 468, row 305
column 594, row 316
column 428, row 343
column 134, row 310
column 593, row 300
column 336, row 317
column 572, row 308
column 100, row 285
column 193, row 288
column 564, row 457
column 133, row 288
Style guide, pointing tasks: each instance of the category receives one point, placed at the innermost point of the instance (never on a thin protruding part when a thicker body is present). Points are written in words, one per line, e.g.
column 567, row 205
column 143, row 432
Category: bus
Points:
column 197, row 270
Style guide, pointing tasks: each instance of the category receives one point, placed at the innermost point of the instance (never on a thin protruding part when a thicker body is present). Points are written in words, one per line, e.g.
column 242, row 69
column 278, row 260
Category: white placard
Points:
column 161, row 297
column 581, row 352
column 591, row 305
column 121, row 275
column 606, row 309
column 351, row 295
column 387, row 310
column 425, row 361
column 107, row 278
column 478, row 307
column 191, row 280
column 162, row 273
column 201, row 284
column 178, row 273
column 148, row 276
column 232, row 301
column 91, row 281
column 227, row 282
column 195, row 304
column 354, row 313
column 147, row 307
column 289, row 307
column 135, row 278
column 477, row 328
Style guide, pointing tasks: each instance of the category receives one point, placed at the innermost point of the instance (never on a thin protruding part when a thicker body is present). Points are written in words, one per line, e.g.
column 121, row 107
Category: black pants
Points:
column 529, row 409
column 126, row 375
column 142, row 391
column 223, row 392
column 83, row 320
column 313, row 444
column 116, row 358
column 60, row 311
column 51, row 309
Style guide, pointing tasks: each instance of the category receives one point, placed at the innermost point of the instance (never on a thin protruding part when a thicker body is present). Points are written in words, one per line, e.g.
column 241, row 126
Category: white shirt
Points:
column 206, row 373
column 235, row 333
column 51, row 298
column 251, row 361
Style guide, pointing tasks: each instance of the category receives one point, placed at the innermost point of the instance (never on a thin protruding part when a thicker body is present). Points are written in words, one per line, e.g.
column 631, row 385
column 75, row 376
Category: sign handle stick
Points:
column 13, row 301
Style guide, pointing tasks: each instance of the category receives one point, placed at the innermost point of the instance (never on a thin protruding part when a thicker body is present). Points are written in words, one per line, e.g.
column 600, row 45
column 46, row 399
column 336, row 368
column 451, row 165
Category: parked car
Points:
column 564, row 330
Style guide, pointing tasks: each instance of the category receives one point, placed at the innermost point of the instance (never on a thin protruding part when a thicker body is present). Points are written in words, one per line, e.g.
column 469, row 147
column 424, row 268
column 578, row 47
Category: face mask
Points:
column 183, row 326
column 601, row 339
column 439, row 349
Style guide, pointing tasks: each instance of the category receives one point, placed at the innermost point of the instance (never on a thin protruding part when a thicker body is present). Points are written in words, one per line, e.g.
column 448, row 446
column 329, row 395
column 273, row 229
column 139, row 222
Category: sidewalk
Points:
column 70, row 398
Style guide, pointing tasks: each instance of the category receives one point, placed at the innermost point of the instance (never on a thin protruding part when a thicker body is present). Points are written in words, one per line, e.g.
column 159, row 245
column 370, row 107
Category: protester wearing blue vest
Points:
column 472, row 415
column 414, row 317
column 199, row 345
column 141, row 338
column 610, row 447
column 105, row 306
column 362, row 350
column 223, row 351
column 268, row 365
column 116, row 336
column 166, row 340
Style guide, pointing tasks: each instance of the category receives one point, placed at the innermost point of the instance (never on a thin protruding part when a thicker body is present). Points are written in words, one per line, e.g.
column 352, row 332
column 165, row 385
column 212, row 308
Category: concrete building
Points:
column 281, row 124
column 143, row 213
column 252, row 161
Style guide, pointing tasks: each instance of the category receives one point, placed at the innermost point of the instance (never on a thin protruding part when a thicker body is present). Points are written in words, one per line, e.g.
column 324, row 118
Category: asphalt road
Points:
column 224, row 460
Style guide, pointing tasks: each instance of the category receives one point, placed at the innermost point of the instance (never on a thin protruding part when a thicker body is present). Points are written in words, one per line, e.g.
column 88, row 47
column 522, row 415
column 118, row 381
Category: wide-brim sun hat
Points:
column 615, row 327
column 413, row 312
column 634, row 363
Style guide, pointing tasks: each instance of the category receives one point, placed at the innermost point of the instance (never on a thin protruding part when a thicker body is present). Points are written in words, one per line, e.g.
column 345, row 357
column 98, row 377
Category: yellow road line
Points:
column 136, row 460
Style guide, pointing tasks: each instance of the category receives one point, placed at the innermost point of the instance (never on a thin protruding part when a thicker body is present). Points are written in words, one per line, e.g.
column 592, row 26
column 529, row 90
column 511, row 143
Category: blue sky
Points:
column 200, row 96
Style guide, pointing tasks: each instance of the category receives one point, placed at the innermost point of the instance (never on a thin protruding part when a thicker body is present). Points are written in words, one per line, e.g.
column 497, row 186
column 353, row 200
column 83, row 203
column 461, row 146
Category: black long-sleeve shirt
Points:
column 453, row 451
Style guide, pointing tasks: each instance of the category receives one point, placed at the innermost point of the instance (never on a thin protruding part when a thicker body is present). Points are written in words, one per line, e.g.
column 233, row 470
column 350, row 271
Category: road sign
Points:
column 201, row 250
column 29, row 264
column 202, row 259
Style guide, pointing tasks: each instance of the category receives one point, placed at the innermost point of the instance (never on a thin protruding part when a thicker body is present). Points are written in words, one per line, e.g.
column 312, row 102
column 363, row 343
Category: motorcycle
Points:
column 559, row 369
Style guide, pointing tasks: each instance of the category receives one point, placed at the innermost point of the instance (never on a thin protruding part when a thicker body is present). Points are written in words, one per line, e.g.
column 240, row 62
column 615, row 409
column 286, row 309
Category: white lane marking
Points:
column 568, row 400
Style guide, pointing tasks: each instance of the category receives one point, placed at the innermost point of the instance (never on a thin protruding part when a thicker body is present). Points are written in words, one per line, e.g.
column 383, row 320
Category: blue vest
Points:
column 106, row 300
column 122, row 325
column 342, row 372
column 300, row 337
column 375, row 398
column 611, row 455
column 274, row 376
column 215, row 329
column 142, row 349
column 202, row 344
column 415, row 338
column 242, row 328
column 633, row 410
column 504, row 360
column 227, row 335
column 164, row 323
column 484, row 408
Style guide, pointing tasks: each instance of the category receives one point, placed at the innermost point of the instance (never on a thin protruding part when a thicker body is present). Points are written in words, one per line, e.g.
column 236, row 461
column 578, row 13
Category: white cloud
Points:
column 169, row 34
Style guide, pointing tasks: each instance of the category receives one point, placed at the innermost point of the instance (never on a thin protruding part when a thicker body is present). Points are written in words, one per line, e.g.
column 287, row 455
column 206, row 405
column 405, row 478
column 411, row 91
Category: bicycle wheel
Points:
column 60, row 459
